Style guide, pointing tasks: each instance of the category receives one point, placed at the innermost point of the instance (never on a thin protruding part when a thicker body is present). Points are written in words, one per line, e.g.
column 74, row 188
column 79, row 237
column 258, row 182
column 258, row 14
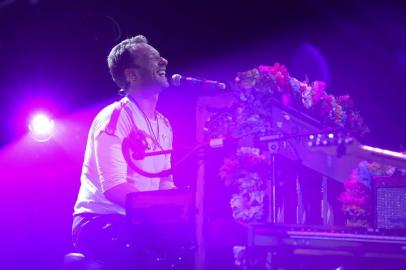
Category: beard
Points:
column 153, row 80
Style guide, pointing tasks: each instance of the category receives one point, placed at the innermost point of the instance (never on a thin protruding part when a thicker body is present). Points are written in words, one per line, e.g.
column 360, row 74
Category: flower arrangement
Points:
column 254, row 92
column 256, row 88
column 356, row 198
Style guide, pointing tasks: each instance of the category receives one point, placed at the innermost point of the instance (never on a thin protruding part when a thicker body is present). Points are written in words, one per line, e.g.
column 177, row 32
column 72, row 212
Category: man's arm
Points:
column 118, row 194
column 112, row 168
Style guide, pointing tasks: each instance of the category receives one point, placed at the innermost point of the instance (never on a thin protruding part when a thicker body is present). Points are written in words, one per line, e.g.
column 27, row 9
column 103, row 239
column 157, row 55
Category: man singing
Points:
column 100, row 229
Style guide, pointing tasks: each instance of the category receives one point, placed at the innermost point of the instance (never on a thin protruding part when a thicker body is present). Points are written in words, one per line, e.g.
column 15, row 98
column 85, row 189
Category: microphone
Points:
column 178, row 80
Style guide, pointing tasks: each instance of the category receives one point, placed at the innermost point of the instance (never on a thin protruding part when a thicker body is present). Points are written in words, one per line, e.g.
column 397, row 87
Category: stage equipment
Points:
column 390, row 203
column 348, row 239
column 330, row 152
column 161, row 206
column 178, row 80
column 165, row 220
column 356, row 249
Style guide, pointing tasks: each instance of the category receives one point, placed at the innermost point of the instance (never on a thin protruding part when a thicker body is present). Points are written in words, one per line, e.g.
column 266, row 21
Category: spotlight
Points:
column 41, row 127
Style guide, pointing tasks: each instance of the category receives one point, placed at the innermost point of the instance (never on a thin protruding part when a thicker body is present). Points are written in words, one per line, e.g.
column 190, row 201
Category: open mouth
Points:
column 161, row 73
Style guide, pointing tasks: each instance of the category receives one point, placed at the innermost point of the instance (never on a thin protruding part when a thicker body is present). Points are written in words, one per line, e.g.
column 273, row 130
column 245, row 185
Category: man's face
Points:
column 151, row 67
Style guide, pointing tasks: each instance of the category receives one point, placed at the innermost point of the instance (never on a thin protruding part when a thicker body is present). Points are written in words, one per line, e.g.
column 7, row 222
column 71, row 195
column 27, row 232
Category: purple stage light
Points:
column 41, row 127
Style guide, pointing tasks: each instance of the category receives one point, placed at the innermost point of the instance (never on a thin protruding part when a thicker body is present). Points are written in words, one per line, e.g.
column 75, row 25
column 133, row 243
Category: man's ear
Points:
column 131, row 75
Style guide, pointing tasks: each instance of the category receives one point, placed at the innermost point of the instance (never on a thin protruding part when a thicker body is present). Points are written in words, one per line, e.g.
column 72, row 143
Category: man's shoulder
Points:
column 106, row 113
column 110, row 117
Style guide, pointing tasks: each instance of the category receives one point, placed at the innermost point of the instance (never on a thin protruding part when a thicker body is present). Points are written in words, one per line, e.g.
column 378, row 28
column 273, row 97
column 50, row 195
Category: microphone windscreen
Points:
column 175, row 80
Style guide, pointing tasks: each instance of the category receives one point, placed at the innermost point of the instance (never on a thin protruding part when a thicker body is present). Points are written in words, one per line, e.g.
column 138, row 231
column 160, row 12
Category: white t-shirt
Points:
column 104, row 165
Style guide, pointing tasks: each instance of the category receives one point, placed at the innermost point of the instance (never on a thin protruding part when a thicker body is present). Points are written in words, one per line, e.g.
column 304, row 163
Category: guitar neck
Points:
column 374, row 154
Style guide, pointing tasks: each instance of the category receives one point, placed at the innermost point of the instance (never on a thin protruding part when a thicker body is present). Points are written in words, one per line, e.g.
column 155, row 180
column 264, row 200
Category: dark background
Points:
column 53, row 55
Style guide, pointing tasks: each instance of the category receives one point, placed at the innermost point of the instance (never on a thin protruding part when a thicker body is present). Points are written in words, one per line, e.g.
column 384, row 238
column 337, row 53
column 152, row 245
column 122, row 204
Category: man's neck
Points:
column 147, row 103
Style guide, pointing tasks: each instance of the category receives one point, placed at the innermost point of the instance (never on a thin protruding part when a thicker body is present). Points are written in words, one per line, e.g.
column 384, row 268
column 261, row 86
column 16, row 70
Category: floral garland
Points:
column 255, row 91
column 247, row 171
column 356, row 197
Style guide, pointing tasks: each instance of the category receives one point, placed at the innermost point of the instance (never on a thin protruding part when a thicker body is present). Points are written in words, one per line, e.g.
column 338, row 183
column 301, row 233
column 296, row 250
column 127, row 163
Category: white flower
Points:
column 257, row 196
column 307, row 97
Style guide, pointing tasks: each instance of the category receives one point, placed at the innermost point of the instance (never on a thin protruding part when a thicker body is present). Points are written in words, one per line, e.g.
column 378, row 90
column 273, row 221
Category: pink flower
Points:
column 278, row 72
column 265, row 70
column 318, row 91
column 346, row 101
column 279, row 68
column 327, row 105
column 304, row 87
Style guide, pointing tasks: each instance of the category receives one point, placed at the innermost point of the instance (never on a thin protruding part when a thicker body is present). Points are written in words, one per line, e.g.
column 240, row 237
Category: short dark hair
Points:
column 121, row 57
